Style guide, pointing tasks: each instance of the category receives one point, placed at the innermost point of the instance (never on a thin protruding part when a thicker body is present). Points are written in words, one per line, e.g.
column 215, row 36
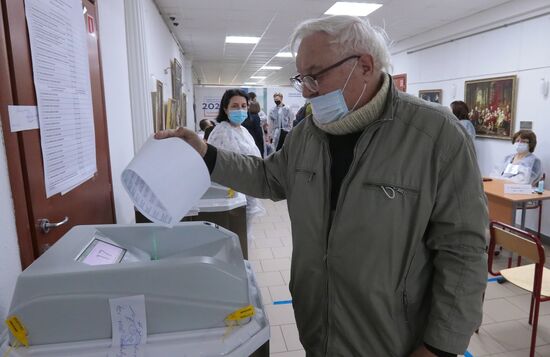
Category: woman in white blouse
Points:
column 230, row 135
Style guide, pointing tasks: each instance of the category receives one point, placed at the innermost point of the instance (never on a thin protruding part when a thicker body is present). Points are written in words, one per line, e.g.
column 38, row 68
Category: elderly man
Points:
column 385, row 199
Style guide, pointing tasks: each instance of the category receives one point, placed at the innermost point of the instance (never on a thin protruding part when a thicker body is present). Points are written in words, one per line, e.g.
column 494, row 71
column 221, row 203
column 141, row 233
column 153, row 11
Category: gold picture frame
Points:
column 177, row 78
column 171, row 114
column 158, row 118
column 492, row 103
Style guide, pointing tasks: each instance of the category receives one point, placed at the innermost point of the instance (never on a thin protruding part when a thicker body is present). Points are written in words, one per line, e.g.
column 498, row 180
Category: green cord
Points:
column 155, row 249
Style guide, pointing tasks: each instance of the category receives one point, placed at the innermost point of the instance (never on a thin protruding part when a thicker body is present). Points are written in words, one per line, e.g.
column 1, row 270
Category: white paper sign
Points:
column 517, row 189
column 129, row 325
column 59, row 48
column 23, row 117
column 511, row 169
column 166, row 179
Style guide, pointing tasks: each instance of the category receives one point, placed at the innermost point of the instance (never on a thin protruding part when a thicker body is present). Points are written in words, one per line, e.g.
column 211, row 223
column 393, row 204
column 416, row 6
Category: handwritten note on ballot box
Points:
column 129, row 326
column 517, row 189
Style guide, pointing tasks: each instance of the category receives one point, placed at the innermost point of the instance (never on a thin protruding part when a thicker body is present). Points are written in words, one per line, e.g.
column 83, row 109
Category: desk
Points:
column 502, row 207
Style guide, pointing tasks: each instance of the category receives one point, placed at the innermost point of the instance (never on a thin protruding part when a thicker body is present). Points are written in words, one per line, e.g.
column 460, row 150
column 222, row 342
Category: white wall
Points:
column 521, row 49
column 117, row 100
column 9, row 247
column 161, row 49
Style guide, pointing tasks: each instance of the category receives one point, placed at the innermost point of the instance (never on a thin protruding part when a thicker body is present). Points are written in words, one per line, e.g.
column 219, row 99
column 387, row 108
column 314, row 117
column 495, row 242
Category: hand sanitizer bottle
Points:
column 540, row 187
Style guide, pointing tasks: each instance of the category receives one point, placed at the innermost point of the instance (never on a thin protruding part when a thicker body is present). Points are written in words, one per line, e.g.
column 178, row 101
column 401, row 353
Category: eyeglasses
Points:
column 310, row 80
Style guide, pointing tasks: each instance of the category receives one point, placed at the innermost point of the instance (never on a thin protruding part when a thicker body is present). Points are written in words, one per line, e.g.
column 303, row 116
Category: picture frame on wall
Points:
column 158, row 117
column 177, row 78
column 431, row 95
column 492, row 103
column 183, row 110
column 171, row 114
column 154, row 104
column 400, row 81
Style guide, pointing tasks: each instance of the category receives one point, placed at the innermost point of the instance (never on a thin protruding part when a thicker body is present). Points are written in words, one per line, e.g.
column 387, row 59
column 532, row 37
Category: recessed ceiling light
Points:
column 251, row 83
column 242, row 39
column 284, row 54
column 271, row 67
column 352, row 8
column 258, row 77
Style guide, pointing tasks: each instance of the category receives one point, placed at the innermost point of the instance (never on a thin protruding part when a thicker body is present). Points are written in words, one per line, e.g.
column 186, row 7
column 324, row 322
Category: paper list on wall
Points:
column 166, row 179
column 62, row 82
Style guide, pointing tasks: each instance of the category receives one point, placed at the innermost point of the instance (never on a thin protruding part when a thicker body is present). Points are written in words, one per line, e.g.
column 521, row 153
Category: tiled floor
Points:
column 504, row 333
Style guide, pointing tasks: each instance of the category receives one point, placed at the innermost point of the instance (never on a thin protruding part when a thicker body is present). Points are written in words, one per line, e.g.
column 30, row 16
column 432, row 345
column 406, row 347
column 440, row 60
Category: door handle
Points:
column 45, row 224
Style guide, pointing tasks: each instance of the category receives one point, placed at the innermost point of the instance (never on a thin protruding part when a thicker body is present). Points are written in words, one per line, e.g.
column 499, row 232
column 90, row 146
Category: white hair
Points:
column 350, row 35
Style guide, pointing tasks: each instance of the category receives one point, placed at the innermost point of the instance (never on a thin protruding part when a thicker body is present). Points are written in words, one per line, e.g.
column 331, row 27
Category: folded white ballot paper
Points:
column 166, row 179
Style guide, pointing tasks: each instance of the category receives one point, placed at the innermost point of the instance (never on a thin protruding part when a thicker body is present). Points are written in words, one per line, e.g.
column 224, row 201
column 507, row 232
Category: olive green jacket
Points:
column 403, row 260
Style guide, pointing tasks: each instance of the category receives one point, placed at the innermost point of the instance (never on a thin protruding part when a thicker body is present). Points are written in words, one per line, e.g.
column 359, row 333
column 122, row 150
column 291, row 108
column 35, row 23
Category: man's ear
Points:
column 366, row 63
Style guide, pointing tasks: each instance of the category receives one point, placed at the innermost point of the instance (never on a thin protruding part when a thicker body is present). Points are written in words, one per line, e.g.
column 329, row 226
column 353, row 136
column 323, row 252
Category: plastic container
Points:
column 192, row 276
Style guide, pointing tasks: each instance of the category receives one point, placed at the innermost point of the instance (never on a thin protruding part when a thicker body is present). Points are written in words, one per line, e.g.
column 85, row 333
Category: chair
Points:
column 531, row 205
column 534, row 278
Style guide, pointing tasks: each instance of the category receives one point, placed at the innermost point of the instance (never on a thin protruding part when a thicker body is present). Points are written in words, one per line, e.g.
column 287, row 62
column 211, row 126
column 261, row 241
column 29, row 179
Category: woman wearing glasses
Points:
column 522, row 167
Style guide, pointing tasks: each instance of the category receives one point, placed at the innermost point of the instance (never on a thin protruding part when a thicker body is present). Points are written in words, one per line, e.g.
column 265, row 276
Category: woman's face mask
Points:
column 237, row 116
column 521, row 148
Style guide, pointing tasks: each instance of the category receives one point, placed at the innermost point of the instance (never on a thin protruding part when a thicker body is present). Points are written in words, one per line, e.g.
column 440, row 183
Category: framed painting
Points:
column 492, row 103
column 177, row 78
column 182, row 110
column 400, row 81
column 171, row 114
column 159, row 108
column 156, row 123
column 431, row 95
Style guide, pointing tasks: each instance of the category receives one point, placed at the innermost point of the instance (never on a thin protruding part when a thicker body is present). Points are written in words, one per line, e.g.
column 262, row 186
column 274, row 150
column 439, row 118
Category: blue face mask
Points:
column 332, row 106
column 237, row 116
column 329, row 107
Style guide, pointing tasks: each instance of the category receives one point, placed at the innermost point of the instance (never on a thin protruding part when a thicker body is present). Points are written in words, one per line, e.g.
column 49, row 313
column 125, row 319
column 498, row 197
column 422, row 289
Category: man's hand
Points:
column 422, row 351
column 188, row 135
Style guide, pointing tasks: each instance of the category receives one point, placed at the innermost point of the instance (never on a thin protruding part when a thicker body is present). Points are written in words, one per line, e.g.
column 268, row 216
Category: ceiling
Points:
column 204, row 24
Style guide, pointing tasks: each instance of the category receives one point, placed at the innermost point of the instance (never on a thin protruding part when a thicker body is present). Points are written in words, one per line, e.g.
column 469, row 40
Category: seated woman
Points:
column 523, row 166
column 230, row 135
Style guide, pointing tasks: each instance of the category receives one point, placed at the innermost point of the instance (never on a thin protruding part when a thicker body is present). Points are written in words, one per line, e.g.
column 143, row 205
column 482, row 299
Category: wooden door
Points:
column 92, row 201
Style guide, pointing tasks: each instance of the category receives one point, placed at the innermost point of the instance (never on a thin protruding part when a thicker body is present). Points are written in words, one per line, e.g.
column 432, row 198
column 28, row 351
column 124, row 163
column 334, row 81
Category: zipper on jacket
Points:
column 336, row 211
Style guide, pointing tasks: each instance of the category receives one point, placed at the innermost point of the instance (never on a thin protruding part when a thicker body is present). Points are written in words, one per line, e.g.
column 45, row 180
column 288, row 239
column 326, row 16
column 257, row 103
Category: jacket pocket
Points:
column 307, row 173
column 391, row 191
